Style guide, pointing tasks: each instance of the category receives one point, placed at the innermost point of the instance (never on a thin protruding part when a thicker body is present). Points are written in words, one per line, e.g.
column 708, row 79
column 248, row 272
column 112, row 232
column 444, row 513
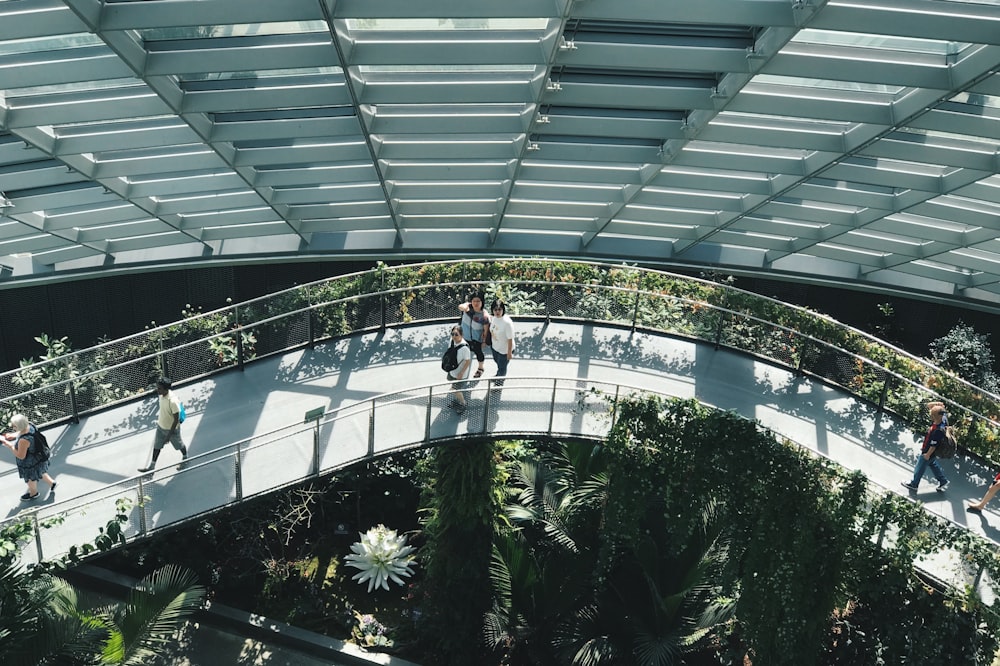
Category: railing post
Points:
column 978, row 579
column 635, row 305
column 718, row 329
column 802, row 356
column 163, row 359
column 239, row 348
column 487, row 405
column 371, row 431
column 74, row 408
column 142, row 508
column 315, row 469
column 614, row 408
column 881, row 533
column 38, row 536
column 239, row 473
column 427, row 423
column 552, row 406
column 311, row 327
column 382, row 300
column 885, row 392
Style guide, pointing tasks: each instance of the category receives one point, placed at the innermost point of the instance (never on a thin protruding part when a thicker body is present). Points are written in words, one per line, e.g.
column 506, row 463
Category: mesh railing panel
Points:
column 278, row 462
column 345, row 437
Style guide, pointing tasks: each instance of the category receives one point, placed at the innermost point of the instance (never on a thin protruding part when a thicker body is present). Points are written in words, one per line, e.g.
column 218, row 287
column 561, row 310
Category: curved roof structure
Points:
column 841, row 141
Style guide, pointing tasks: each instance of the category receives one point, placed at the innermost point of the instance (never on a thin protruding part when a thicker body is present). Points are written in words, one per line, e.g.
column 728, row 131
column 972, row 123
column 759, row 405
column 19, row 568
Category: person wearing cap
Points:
column 168, row 424
column 32, row 465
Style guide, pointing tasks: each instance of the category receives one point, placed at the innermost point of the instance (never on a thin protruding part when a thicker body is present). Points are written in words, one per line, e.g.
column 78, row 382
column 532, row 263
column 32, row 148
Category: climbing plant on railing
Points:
column 621, row 295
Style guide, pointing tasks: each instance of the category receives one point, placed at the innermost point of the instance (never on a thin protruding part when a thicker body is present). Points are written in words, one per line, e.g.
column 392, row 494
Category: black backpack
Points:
column 40, row 445
column 449, row 361
column 948, row 445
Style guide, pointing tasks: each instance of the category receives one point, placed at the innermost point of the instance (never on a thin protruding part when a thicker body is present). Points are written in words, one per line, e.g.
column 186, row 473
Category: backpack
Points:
column 948, row 445
column 40, row 445
column 449, row 361
column 182, row 414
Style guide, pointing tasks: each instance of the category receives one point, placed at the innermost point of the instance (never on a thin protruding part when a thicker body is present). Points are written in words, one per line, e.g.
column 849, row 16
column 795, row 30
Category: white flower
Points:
column 382, row 556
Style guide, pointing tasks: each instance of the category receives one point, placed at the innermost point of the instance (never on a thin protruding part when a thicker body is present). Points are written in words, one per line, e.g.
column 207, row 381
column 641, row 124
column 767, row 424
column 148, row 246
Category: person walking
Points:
column 977, row 507
column 475, row 326
column 168, row 424
column 934, row 436
column 32, row 463
column 460, row 374
column 502, row 338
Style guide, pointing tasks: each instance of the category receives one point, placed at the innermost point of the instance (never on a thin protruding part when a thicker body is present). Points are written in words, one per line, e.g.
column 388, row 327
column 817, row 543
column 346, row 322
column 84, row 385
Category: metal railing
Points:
column 389, row 423
column 98, row 377
column 339, row 438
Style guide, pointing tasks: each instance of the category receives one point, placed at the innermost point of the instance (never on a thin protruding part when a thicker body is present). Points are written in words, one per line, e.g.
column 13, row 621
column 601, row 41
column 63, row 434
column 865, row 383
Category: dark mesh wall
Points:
column 113, row 307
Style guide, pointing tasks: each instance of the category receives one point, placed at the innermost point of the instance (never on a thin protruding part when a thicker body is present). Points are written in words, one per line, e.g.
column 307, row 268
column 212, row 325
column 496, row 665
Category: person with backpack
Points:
column 935, row 435
column 459, row 359
column 168, row 424
column 31, row 451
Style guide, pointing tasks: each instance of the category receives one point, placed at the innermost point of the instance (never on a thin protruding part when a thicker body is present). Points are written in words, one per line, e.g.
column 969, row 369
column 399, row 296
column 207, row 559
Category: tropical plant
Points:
column 382, row 555
column 133, row 632
column 968, row 354
column 462, row 515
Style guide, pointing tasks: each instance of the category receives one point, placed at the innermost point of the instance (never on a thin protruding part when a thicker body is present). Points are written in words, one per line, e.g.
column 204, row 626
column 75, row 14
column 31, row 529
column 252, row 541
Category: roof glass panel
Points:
column 46, row 44
column 447, row 24
column 977, row 99
column 231, row 30
column 78, row 86
column 882, row 42
column 591, row 121
column 878, row 91
column 253, row 74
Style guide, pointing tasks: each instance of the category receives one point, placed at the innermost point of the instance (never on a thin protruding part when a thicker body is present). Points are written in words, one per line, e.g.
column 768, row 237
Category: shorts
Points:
column 163, row 436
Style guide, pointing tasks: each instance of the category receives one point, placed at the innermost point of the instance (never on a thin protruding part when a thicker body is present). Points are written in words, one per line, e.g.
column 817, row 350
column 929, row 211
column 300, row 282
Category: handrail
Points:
column 603, row 265
column 417, row 416
column 88, row 380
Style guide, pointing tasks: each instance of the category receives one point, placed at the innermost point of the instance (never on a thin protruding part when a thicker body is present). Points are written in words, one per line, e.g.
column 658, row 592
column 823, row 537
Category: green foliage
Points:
column 642, row 550
column 966, row 353
column 462, row 515
column 41, row 621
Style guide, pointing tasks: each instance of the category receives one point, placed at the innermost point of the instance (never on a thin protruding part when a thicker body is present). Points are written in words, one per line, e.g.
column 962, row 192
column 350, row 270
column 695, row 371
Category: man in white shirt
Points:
column 168, row 423
column 502, row 338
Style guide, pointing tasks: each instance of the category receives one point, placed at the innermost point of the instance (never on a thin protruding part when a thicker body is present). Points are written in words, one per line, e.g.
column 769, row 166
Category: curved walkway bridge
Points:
column 313, row 408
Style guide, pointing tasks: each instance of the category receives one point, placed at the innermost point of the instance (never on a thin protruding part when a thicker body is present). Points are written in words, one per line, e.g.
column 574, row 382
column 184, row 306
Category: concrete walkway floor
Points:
column 108, row 447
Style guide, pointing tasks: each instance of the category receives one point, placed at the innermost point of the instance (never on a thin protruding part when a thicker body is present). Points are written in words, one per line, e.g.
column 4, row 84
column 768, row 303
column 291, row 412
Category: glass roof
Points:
column 841, row 142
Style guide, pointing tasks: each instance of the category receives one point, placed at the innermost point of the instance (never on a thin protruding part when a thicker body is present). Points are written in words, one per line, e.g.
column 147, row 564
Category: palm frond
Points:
column 156, row 609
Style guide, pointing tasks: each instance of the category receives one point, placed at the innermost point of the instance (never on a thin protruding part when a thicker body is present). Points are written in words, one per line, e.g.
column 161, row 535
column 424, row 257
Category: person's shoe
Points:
column 973, row 509
column 907, row 484
column 146, row 469
column 943, row 486
column 183, row 463
column 27, row 498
